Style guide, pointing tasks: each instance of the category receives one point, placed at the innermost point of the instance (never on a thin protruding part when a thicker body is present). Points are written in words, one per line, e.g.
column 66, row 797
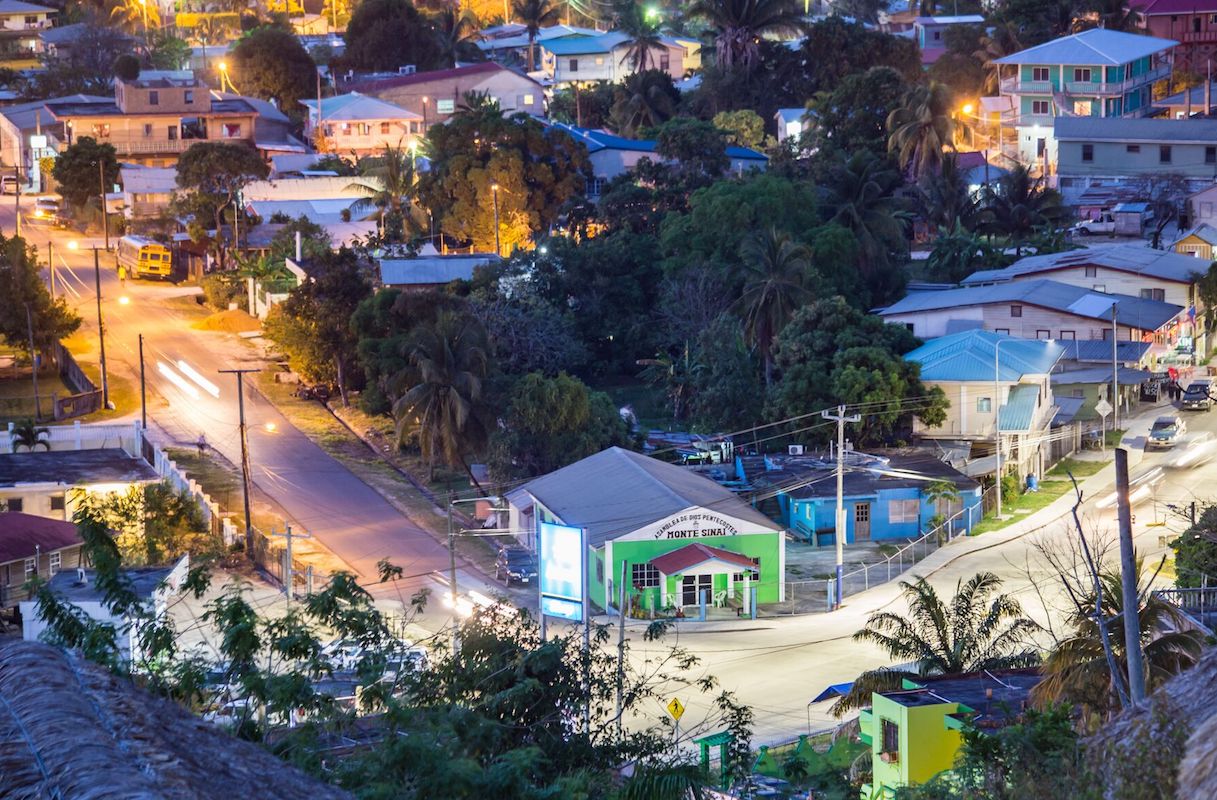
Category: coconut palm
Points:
column 136, row 15
column 456, row 32
column 28, row 435
column 860, row 198
column 1019, row 206
column 535, row 15
column 643, row 37
column 644, row 99
column 448, row 364
column 921, row 128
column 978, row 629
column 775, row 286
column 1001, row 41
column 389, row 184
column 1077, row 671
column 738, row 26
column 945, row 198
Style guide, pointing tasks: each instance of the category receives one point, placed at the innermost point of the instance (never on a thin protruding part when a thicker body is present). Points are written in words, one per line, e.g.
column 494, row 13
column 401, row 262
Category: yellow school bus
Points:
column 142, row 257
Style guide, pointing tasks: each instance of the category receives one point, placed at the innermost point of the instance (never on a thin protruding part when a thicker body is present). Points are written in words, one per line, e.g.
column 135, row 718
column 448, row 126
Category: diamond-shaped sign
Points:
column 676, row 709
column 1103, row 407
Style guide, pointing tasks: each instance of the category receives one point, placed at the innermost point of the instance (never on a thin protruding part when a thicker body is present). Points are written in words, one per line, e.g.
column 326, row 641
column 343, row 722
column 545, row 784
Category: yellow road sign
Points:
column 676, row 709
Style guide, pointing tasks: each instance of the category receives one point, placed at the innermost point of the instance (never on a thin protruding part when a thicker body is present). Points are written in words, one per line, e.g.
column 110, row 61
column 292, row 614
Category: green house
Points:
column 672, row 532
column 914, row 733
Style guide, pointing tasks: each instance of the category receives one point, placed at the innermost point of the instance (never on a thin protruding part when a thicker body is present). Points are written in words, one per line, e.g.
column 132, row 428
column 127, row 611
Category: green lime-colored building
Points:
column 675, row 532
column 914, row 733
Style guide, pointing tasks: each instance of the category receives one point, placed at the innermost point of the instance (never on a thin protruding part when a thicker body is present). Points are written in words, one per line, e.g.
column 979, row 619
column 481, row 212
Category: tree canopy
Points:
column 80, row 168
column 386, row 34
column 269, row 62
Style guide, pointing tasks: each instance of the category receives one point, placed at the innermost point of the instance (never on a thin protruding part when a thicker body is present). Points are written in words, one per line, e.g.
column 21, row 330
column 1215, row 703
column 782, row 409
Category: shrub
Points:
column 220, row 289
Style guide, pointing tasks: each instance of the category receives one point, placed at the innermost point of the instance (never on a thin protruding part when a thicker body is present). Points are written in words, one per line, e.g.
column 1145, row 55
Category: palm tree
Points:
column 775, row 286
column 457, row 35
column 921, row 128
column 860, row 198
column 675, row 374
column 1019, row 205
column 28, row 435
column 1001, row 41
column 945, row 198
column 136, row 15
column 977, row 629
column 389, row 183
column 644, row 99
column 1077, row 671
column 739, row 25
column 643, row 36
column 535, row 15
column 448, row 364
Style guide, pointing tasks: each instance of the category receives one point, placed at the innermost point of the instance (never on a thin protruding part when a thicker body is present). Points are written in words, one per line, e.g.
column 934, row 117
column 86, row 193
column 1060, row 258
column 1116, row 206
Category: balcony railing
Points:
column 127, row 147
column 1017, row 86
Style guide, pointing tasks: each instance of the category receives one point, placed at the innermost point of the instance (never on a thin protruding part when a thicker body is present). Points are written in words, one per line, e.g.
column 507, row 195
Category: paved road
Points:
column 182, row 366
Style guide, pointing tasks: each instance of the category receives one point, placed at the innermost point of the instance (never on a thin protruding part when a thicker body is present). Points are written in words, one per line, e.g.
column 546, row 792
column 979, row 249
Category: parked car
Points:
column 1165, row 432
column 515, row 564
column 9, row 185
column 1197, row 396
column 1104, row 223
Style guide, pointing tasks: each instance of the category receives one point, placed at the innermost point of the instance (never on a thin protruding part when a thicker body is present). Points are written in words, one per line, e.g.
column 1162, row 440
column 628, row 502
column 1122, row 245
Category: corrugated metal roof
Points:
column 355, row 106
column 1204, row 231
column 1066, row 409
column 1136, row 312
column 970, row 356
column 1100, row 375
column 596, row 140
column 148, row 180
column 1019, row 409
column 583, row 45
column 1134, row 258
column 616, row 492
column 428, row 270
column 1095, row 46
column 1142, row 130
column 1100, row 350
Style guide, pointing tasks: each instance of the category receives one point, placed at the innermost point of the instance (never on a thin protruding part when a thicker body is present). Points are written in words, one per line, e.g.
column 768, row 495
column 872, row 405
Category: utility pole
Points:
column 50, row 262
column 143, row 395
column 289, row 574
column 621, row 598
column 241, row 373
column 101, row 331
column 105, row 217
column 839, row 535
column 1128, row 584
column 29, row 326
column 498, row 250
column 452, row 575
column 17, row 196
column 1115, row 371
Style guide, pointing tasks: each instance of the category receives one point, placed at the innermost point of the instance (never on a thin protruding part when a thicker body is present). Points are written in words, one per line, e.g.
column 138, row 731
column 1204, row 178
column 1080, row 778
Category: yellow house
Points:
column 1199, row 242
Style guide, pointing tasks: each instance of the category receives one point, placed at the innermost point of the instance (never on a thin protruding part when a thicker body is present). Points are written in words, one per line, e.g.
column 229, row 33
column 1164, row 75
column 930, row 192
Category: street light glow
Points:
column 270, row 427
column 73, row 246
column 124, row 300
column 967, row 108
column 494, row 187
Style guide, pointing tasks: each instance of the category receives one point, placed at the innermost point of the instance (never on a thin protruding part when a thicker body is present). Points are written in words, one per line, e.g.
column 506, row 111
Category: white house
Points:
column 323, row 200
column 603, row 58
column 357, row 124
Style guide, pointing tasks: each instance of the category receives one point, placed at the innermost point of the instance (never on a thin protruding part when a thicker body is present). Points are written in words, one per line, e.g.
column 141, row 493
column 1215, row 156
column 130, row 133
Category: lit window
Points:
column 529, row 99
column 384, row 127
column 445, row 106
column 231, row 130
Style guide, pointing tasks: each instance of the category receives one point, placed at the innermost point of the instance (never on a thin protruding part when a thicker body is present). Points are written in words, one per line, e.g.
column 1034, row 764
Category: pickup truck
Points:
column 1104, row 223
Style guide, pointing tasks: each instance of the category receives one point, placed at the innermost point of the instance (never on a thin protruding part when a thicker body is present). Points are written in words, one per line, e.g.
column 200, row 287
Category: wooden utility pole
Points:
column 143, row 394
column 241, row 373
column 1128, row 585
column 839, row 536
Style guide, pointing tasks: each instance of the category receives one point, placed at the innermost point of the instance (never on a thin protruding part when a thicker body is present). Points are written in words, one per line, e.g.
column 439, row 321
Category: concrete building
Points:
column 44, row 483
column 33, row 546
column 358, row 125
column 29, row 132
column 1192, row 24
column 21, row 25
column 1095, row 73
column 435, row 96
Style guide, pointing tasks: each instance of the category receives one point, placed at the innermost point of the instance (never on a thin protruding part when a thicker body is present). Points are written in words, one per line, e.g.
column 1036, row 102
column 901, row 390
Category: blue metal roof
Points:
column 1019, row 409
column 1134, row 258
column 1100, row 350
column 596, row 140
column 1095, row 46
column 970, row 356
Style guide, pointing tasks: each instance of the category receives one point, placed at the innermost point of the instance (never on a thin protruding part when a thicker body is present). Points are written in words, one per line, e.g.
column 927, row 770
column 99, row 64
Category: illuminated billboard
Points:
column 563, row 561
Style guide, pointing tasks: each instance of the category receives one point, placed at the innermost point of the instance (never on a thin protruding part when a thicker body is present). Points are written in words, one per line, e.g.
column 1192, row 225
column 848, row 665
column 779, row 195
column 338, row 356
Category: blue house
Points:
column 885, row 497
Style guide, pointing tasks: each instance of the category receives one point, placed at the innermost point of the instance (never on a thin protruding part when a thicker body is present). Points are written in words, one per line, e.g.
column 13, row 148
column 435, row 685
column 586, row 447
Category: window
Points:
column 31, row 20
column 1153, row 294
column 147, row 130
column 937, row 35
column 984, row 405
column 329, row 130
column 1002, row 331
column 102, row 129
column 1195, row 24
column 665, row 62
column 529, row 100
column 1040, row 333
column 364, row 129
column 738, row 577
column 891, row 738
column 415, row 128
column 15, row 504
column 1039, row 74
column 1016, row 310
column 1041, row 147
column 56, row 560
column 1040, row 107
column 384, row 127
column 1164, row 154
column 1081, row 74
column 230, row 130
column 1213, row 19
column 154, row 98
column 645, row 576
column 31, row 567
column 1133, row 148
column 1088, row 152
column 57, row 503
column 903, row 511
column 1210, row 155
column 599, row 61
column 188, row 96
column 1092, row 272
column 574, row 65
column 172, row 132
column 1100, row 287
column 1069, row 336
column 1078, row 393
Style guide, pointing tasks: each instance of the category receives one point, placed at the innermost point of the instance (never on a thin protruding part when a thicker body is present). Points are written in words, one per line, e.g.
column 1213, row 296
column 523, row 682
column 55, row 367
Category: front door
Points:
column 861, row 522
column 691, row 586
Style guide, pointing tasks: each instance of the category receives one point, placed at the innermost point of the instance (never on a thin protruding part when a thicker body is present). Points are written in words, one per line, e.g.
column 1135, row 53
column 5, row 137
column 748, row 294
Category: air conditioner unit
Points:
column 794, row 449
column 408, row 69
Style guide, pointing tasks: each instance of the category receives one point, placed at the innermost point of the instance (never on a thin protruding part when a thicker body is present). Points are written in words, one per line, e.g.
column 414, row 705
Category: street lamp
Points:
column 101, row 328
column 498, row 250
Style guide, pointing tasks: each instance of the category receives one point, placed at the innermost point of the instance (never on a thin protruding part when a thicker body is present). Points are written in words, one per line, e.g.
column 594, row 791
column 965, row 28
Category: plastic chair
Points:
column 720, row 597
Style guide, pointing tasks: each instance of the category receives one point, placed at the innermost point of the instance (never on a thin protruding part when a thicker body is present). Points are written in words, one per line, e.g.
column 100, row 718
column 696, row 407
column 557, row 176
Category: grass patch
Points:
column 1014, row 509
column 1113, row 438
column 17, row 396
column 1079, row 469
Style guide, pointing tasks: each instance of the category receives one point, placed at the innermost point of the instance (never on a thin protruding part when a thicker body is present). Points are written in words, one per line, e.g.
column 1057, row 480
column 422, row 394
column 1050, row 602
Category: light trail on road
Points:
column 177, row 380
column 193, row 374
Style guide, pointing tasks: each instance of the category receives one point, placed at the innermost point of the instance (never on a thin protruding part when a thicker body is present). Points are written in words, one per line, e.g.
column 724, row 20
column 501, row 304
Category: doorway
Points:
column 861, row 522
column 691, row 587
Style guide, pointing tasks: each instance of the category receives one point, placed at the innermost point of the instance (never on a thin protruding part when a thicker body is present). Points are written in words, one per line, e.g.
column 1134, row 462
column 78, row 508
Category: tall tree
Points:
column 22, row 288
column 457, row 35
column 643, row 37
column 386, row 34
column 1002, row 40
column 136, row 16
column 80, row 169
column 922, row 128
column 775, row 286
column 535, row 15
column 389, row 184
column 739, row 25
column 861, row 199
column 450, row 360
column 269, row 62
column 1018, row 205
column 644, row 99
column 977, row 629
column 213, row 173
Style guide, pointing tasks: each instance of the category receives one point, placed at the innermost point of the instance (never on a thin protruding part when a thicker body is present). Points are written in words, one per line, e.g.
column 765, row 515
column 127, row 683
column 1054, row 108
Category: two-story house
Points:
column 436, row 95
column 998, row 387
column 158, row 116
column 1133, row 270
column 604, row 58
column 354, row 123
column 1095, row 73
column 21, row 25
column 1192, row 24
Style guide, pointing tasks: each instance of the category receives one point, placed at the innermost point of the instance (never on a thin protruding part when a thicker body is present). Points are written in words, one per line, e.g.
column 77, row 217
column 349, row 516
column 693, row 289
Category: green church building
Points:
column 674, row 531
